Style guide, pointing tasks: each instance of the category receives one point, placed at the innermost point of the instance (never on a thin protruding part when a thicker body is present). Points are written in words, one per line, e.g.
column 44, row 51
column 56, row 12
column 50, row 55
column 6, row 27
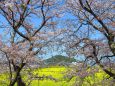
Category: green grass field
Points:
column 58, row 74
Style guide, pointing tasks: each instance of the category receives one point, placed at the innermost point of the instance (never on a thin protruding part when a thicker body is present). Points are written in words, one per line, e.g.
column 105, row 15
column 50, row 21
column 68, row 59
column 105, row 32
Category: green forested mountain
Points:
column 59, row 60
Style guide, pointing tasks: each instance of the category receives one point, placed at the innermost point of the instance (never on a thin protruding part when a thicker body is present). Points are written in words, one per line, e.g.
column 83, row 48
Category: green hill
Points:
column 59, row 60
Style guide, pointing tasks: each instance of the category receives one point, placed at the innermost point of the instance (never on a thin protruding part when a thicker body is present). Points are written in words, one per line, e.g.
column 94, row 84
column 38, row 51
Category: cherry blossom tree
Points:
column 29, row 25
column 94, row 37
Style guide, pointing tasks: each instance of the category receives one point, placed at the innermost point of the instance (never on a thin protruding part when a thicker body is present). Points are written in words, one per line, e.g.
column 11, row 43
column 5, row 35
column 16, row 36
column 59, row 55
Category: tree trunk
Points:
column 105, row 70
column 18, row 79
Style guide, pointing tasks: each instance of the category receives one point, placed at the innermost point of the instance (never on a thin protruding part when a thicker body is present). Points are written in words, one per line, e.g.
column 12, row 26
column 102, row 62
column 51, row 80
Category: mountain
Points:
column 59, row 60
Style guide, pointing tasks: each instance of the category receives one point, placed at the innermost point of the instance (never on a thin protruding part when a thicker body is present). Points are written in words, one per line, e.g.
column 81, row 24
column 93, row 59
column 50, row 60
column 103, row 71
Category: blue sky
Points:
column 37, row 22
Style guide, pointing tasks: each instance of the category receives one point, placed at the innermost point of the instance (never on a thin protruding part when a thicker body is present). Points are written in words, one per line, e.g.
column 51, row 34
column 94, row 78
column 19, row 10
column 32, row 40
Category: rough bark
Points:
column 17, row 78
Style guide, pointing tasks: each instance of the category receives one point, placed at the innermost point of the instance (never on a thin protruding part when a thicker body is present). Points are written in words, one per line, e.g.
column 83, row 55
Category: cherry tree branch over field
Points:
column 30, row 23
column 95, row 39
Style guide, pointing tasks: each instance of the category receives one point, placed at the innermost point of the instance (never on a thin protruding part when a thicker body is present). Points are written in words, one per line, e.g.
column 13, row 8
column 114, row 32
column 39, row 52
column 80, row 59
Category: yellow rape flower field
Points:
column 55, row 72
column 54, row 76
